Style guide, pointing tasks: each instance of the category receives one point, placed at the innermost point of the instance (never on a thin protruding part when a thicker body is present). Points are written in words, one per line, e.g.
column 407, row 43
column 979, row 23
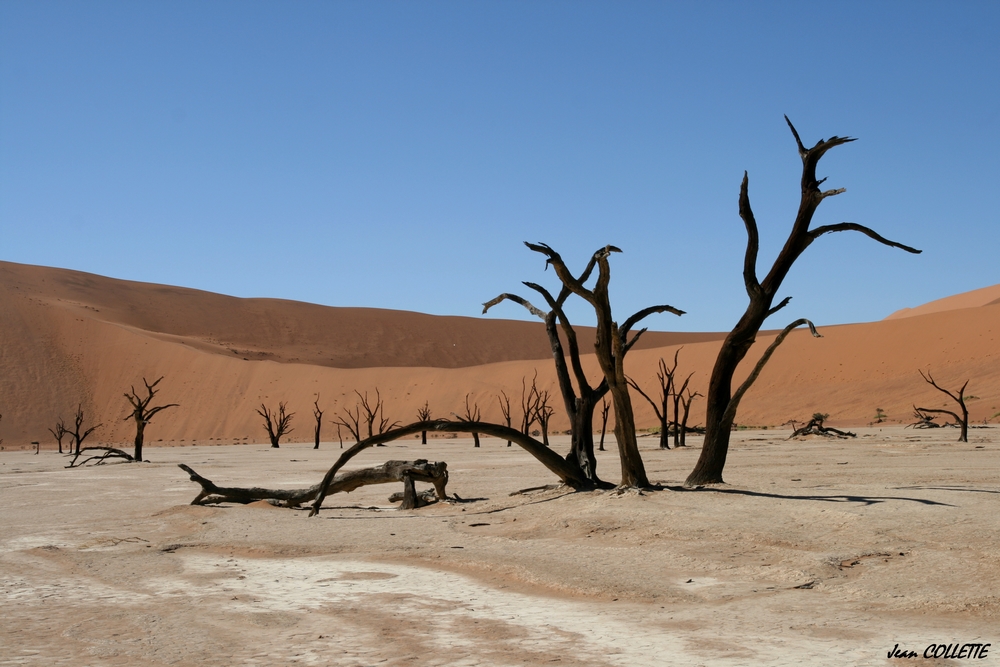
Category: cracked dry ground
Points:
column 816, row 552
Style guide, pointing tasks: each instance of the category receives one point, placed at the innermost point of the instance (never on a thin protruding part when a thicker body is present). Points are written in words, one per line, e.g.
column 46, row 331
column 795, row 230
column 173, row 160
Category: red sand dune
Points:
column 986, row 296
column 70, row 338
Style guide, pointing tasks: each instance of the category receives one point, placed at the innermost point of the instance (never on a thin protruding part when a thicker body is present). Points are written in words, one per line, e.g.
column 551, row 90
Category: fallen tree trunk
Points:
column 407, row 472
column 815, row 427
column 109, row 453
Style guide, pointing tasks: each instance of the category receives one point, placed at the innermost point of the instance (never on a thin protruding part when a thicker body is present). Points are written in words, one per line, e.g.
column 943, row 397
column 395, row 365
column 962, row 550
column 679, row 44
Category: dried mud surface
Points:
column 816, row 552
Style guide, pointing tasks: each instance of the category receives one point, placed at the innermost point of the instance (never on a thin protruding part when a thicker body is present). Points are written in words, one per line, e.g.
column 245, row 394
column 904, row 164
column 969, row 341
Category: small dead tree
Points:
column 686, row 404
column 529, row 404
column 77, row 436
column 605, row 409
column 504, row 402
column 665, row 377
column 59, row 432
column 544, row 412
column 959, row 398
column 142, row 413
column 923, row 421
column 815, row 427
column 423, row 415
column 471, row 415
column 318, row 415
column 277, row 424
column 373, row 412
column 722, row 402
column 351, row 420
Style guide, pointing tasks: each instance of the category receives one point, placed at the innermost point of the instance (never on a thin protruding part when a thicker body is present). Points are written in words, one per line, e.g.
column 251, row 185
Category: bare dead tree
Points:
column 142, row 413
column 923, row 421
column 815, row 427
column 277, row 424
column 504, row 402
column 59, row 432
column 340, row 437
column 543, row 412
column 423, row 415
column 610, row 346
column 529, row 404
column 318, row 415
column 665, row 377
column 722, row 402
column 471, row 415
column 959, row 398
column 678, row 399
column 605, row 409
column 686, row 403
column 351, row 420
column 373, row 412
column 77, row 436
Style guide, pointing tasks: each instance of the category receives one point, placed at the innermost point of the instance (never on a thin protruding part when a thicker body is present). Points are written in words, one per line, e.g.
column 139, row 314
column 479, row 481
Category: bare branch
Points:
column 643, row 314
column 734, row 402
column 784, row 302
column 854, row 227
column 516, row 299
column 753, row 237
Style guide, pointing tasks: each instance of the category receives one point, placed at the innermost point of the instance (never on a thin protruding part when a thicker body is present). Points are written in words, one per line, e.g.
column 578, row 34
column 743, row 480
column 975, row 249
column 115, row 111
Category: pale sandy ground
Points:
column 896, row 531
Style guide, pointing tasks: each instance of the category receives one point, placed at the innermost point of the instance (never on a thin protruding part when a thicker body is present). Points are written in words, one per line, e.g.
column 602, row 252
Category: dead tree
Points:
column 277, row 424
column 374, row 413
column 351, row 420
column 678, row 399
column 142, row 413
column 611, row 345
column 580, row 401
column 318, row 415
column 423, row 415
column 504, row 402
column 104, row 454
column 605, row 409
column 529, row 404
column 722, row 402
column 472, row 415
column 815, row 427
column 959, row 398
column 59, row 432
column 77, row 436
column 923, row 421
column 567, row 473
column 406, row 472
column 665, row 377
column 683, row 426
column 544, row 412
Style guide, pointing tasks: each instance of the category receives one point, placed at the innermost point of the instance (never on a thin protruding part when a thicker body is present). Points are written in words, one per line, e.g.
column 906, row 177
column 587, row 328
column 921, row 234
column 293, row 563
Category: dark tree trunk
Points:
column 140, row 429
column 664, row 433
column 721, row 402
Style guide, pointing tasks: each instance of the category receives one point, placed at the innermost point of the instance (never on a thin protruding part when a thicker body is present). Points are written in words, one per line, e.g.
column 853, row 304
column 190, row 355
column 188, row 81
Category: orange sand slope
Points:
column 987, row 296
column 72, row 338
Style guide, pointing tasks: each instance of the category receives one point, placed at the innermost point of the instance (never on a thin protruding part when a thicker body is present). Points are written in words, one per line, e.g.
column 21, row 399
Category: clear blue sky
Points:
column 396, row 154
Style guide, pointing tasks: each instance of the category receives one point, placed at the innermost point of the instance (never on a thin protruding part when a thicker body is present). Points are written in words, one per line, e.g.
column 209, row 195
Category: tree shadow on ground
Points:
column 860, row 500
column 946, row 488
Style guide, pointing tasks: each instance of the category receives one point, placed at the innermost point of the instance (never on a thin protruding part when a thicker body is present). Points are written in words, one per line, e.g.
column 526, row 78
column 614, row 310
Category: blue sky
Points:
column 395, row 155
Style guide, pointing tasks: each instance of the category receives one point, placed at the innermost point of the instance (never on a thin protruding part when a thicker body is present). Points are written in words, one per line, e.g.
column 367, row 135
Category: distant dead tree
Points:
column 59, row 432
column 665, row 377
column 351, row 420
column 529, row 404
column 77, row 436
column 318, row 415
column 423, row 415
column 923, row 421
column 504, row 402
column 543, row 412
column 959, row 398
column 686, row 400
column 367, row 412
column 142, row 413
column 815, row 427
column 581, row 400
column 605, row 409
column 471, row 415
column 277, row 424
column 722, row 401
